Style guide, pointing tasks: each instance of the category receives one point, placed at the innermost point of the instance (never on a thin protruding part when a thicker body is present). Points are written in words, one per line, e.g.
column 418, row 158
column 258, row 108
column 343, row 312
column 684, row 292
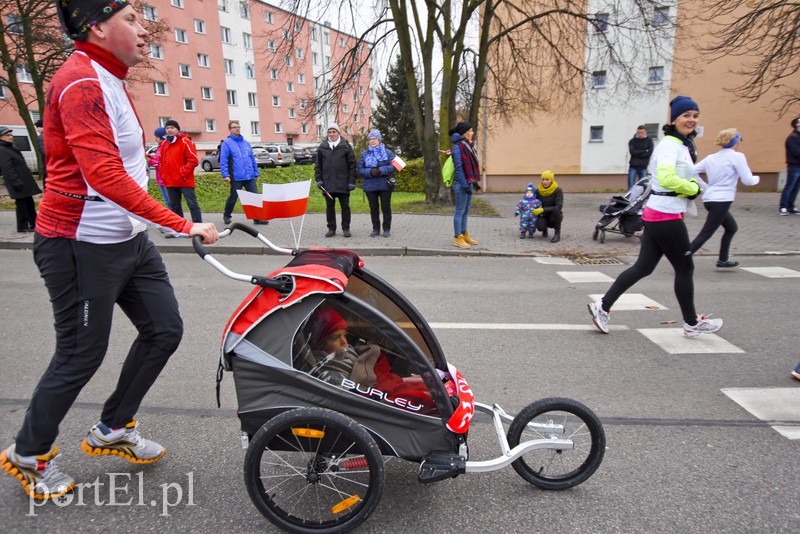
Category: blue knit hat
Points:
column 376, row 134
column 680, row 105
column 160, row 132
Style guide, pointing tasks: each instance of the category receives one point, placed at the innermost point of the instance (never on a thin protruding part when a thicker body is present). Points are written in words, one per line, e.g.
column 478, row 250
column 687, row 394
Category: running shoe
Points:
column 599, row 316
column 727, row 264
column 783, row 211
column 796, row 372
column 39, row 474
column 705, row 325
column 126, row 442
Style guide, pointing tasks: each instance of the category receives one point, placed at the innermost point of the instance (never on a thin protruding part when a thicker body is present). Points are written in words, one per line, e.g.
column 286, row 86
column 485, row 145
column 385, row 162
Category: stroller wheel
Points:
column 603, row 236
column 558, row 469
column 594, row 234
column 314, row 470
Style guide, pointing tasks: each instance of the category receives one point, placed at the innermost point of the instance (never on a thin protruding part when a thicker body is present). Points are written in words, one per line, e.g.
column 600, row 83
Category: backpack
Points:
column 448, row 171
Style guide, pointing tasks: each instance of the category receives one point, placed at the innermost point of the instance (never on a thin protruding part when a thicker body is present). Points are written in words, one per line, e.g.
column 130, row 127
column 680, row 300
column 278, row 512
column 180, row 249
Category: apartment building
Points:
column 249, row 61
column 586, row 143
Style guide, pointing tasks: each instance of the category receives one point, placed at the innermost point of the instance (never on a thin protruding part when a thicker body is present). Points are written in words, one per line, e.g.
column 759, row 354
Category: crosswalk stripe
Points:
column 519, row 326
column 777, row 405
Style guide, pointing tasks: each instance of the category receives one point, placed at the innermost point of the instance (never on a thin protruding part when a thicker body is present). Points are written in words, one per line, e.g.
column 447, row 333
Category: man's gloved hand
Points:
column 538, row 211
column 350, row 187
column 516, row 213
column 320, row 184
column 375, row 172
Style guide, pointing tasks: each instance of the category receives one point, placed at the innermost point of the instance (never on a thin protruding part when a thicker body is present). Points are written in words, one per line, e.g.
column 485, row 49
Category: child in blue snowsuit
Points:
column 527, row 220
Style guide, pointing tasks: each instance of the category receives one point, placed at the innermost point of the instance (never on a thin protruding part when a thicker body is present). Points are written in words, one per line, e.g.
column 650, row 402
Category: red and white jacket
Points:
column 176, row 162
column 95, row 150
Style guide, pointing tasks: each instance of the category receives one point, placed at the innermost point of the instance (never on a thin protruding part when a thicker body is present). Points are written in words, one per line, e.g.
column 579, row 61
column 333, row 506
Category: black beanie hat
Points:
column 172, row 122
column 461, row 128
column 77, row 16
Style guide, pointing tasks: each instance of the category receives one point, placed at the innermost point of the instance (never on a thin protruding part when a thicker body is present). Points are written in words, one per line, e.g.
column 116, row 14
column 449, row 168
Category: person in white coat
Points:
column 723, row 169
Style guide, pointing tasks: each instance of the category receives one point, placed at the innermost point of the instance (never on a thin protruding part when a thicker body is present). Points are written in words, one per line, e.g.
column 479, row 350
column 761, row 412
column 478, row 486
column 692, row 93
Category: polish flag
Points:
column 398, row 163
column 276, row 201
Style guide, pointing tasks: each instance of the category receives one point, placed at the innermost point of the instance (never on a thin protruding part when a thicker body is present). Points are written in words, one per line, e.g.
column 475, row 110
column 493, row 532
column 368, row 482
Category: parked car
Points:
column 281, row 155
column 262, row 157
column 301, row 155
column 313, row 152
column 210, row 162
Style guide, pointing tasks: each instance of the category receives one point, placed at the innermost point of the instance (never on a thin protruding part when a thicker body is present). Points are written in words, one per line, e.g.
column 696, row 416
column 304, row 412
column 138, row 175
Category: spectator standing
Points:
column 92, row 249
column 551, row 211
column 723, row 170
column 18, row 180
column 39, row 124
column 177, row 158
column 665, row 233
column 238, row 167
column 161, row 134
column 789, row 193
column 335, row 172
column 466, row 178
column 640, row 148
column 374, row 166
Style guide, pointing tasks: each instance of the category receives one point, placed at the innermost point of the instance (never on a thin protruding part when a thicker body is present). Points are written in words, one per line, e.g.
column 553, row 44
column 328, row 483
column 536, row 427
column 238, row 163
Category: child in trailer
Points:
column 527, row 219
column 363, row 368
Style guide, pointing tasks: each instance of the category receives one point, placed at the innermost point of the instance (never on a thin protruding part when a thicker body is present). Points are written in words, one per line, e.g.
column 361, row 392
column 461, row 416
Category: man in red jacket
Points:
column 177, row 158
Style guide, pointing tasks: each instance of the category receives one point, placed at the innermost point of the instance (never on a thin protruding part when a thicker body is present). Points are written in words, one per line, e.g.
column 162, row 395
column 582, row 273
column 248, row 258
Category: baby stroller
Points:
column 623, row 214
column 318, row 427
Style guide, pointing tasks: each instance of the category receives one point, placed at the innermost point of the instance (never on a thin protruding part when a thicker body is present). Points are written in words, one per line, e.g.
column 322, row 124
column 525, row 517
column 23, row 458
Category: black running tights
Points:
column 670, row 239
column 718, row 215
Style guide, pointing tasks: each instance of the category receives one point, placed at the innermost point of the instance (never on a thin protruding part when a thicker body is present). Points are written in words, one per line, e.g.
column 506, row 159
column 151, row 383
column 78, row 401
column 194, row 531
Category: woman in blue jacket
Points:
column 374, row 166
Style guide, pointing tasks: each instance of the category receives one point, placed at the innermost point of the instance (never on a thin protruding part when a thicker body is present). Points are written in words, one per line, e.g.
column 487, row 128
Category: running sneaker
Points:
column 705, row 325
column 796, row 372
column 727, row 264
column 783, row 211
column 39, row 474
column 126, row 442
column 599, row 316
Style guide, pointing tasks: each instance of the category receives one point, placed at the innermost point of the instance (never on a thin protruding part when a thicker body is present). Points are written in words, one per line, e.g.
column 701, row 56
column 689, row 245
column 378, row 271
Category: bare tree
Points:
column 537, row 54
column 766, row 35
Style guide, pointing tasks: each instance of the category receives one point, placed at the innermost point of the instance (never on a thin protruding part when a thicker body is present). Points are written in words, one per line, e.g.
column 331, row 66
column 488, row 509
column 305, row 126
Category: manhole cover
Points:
column 598, row 261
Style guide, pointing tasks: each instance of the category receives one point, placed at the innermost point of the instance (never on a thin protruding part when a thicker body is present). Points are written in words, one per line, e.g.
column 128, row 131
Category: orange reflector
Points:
column 308, row 433
column 345, row 504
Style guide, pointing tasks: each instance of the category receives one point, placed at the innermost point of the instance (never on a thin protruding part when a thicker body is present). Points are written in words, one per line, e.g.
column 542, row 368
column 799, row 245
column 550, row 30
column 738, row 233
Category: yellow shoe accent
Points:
column 459, row 241
column 104, row 451
column 29, row 482
column 468, row 239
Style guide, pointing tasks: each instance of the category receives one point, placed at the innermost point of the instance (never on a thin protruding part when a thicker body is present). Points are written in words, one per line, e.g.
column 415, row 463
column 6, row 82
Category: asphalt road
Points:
column 682, row 457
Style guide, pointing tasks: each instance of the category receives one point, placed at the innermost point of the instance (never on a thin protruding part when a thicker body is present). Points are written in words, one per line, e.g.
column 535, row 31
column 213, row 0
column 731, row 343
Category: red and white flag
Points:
column 398, row 163
column 276, row 201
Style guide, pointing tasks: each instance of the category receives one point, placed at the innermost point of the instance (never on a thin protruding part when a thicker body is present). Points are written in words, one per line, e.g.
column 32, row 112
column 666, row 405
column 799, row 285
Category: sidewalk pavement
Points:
column 761, row 231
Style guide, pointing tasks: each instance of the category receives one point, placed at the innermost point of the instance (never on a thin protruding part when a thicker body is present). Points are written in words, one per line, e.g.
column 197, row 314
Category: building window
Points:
column 345, row 108
column 298, row 27
column 162, row 121
column 271, row 45
column 181, row 36
column 185, row 70
column 202, row 60
column 211, row 125
column 222, row 5
column 188, row 104
column 326, row 38
column 225, row 34
column 341, row 42
column 269, row 17
column 301, row 78
column 286, row 35
column 347, row 130
column 249, row 70
column 150, row 13
column 278, row 127
column 160, row 88
column 303, row 103
column 598, row 79
column 206, row 93
column 244, row 10
column 304, row 128
column 247, row 40
column 314, row 36
column 600, row 23
column 595, row 134
column 273, row 73
column 652, row 130
column 290, row 87
column 355, row 119
column 232, row 101
column 255, row 128
column 328, row 61
column 316, row 82
column 252, row 100
column 292, row 113
column 660, row 16
column 319, row 130
column 276, row 101
column 199, row 26
column 288, row 61
column 299, row 53
column 3, row 94
column 655, row 75
column 24, row 75
column 177, row 3
column 156, row 51
column 355, row 96
column 315, row 58
column 229, row 67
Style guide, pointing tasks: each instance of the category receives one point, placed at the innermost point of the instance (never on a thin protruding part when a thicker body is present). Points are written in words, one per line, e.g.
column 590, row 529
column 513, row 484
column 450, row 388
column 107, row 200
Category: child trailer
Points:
column 623, row 213
column 317, row 425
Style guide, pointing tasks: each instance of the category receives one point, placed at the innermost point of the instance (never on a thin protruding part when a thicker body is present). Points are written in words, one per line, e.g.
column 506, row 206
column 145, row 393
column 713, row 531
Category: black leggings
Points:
column 718, row 215
column 670, row 239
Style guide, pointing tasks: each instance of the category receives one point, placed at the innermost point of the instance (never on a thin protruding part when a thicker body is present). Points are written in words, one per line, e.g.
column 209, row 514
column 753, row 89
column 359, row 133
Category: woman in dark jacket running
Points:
column 374, row 166
column 552, row 198
column 19, row 181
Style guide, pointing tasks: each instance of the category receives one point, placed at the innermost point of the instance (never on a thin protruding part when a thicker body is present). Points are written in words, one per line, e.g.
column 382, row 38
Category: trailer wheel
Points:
column 603, row 236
